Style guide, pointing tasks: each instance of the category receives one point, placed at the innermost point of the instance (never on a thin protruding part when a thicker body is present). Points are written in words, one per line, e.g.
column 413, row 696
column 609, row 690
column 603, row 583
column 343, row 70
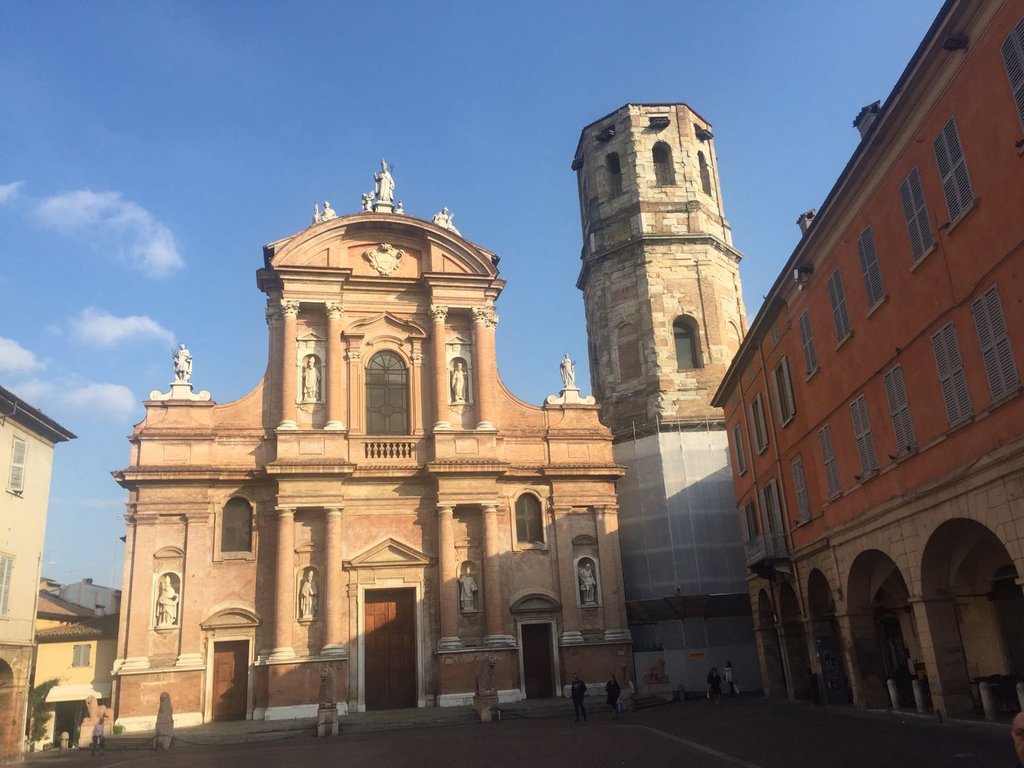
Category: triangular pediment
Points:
column 389, row 553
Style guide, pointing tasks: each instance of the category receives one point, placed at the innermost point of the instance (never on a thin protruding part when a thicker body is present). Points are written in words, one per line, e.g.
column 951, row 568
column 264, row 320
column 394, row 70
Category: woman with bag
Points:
column 613, row 690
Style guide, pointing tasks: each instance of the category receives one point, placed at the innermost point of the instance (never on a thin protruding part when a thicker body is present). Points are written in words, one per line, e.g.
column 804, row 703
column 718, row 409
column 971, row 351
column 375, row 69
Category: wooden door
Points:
column 537, row 673
column 390, row 649
column 230, row 679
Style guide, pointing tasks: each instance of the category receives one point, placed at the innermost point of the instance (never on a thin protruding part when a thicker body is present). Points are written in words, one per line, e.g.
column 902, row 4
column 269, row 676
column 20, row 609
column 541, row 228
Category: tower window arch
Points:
column 614, row 174
column 387, row 395
column 664, row 173
column 236, row 526
column 684, row 329
column 628, row 348
column 529, row 521
column 705, row 173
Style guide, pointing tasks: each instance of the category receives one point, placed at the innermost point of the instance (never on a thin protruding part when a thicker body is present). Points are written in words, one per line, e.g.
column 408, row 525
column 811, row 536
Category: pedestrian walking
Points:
column 97, row 738
column 613, row 690
column 715, row 686
column 729, row 676
column 578, row 691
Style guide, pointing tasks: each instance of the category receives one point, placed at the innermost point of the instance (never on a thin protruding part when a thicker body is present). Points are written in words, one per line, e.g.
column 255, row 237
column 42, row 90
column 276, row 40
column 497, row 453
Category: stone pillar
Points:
column 289, row 372
column 333, row 597
column 494, row 608
column 446, row 584
column 357, row 395
column 336, row 373
column 438, row 313
column 274, row 355
column 484, row 366
column 284, row 598
column 190, row 607
column 938, row 632
column 613, row 593
column 569, row 592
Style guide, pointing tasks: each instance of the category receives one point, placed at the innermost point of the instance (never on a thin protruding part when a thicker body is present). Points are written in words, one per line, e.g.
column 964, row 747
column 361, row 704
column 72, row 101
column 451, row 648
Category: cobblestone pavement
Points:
column 749, row 733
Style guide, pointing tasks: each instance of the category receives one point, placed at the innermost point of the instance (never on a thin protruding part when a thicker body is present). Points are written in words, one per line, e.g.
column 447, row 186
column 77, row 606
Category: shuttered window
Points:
column 951, row 374
column 956, row 184
column 739, row 450
column 837, row 295
column 899, row 411
column 803, row 504
column 80, row 655
column 6, row 575
column 760, row 428
column 828, row 459
column 19, row 454
column 772, row 515
column 869, row 266
column 996, row 350
column 862, row 433
column 810, row 357
column 783, row 386
column 1013, row 60
column 749, row 522
column 915, row 212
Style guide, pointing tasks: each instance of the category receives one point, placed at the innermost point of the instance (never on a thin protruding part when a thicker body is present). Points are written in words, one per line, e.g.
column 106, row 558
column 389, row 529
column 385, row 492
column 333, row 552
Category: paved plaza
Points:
column 748, row 732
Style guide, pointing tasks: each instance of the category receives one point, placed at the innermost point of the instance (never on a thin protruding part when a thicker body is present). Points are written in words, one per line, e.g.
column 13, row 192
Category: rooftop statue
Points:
column 443, row 218
column 385, row 184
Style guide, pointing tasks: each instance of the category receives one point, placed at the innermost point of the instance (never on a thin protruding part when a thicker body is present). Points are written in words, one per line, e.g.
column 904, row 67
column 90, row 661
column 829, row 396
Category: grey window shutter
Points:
column 862, row 433
column 869, row 266
column 996, row 350
column 828, row 457
column 810, row 356
column 1013, row 59
column 899, row 411
column 915, row 212
column 19, row 454
column 6, row 568
column 803, row 504
column 949, row 156
column 837, row 295
column 951, row 374
column 741, row 457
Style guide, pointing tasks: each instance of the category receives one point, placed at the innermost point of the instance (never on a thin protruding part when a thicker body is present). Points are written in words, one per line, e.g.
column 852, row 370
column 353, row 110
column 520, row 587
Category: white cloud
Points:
column 33, row 391
column 15, row 358
column 109, row 222
column 105, row 330
column 9, row 191
column 102, row 399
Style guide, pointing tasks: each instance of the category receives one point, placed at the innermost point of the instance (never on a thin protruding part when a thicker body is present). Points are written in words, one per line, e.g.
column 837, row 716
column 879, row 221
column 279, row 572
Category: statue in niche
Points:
column 588, row 582
column 182, row 364
column 568, row 371
column 166, row 603
column 385, row 184
column 458, row 379
column 307, row 596
column 467, row 589
column 311, row 380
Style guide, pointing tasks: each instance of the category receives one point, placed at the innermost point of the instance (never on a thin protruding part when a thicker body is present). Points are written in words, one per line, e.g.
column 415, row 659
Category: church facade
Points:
column 380, row 505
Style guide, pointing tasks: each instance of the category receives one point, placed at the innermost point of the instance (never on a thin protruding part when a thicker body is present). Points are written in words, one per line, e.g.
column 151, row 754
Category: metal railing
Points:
column 767, row 546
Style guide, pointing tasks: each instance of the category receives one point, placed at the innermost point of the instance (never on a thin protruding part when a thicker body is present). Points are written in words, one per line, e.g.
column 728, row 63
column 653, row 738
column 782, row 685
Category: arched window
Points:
column 387, row 395
column 687, row 343
column 236, row 527
column 628, row 346
column 664, row 174
column 614, row 174
column 705, row 173
column 529, row 523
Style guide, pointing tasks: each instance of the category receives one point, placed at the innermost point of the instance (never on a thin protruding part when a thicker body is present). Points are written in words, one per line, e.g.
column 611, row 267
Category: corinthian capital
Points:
column 334, row 309
column 290, row 309
column 438, row 312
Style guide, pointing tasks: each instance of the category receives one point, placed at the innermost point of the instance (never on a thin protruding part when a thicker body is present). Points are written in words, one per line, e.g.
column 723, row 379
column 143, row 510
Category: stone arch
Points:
column 975, row 613
column 821, row 613
column 795, row 638
column 771, row 650
column 11, row 703
column 883, row 629
column 686, row 333
column 664, row 171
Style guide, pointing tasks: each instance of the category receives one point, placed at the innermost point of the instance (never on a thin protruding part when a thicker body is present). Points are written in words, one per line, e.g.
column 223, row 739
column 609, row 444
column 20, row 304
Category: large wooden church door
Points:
column 390, row 648
column 538, row 678
column 230, row 679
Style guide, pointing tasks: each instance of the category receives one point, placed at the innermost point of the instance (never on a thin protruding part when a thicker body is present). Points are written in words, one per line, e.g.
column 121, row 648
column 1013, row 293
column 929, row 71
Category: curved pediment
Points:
column 232, row 617
column 385, row 324
column 380, row 245
column 536, row 602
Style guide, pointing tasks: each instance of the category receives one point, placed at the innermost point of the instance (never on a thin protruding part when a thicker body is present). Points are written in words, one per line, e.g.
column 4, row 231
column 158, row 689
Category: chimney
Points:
column 862, row 122
column 805, row 219
column 87, row 581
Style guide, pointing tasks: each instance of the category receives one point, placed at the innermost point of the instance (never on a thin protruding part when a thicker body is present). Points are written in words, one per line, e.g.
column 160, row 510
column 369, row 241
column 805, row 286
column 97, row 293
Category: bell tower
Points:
column 660, row 277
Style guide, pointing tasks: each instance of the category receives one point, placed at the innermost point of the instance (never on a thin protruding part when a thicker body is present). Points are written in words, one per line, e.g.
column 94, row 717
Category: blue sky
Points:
column 148, row 150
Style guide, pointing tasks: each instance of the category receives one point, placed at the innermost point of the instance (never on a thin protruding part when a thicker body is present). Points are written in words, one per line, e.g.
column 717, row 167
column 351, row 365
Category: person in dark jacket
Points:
column 579, row 690
column 613, row 690
column 715, row 686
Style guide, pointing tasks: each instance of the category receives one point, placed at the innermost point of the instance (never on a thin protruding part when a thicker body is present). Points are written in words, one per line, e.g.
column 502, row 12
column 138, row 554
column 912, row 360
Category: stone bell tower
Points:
column 660, row 277
column 661, row 287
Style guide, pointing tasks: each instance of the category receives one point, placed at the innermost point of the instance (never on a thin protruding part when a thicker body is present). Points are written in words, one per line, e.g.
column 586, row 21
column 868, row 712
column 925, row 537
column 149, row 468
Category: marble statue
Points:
column 368, row 201
column 328, row 212
column 568, row 371
column 443, row 218
column 385, row 184
column 311, row 381
column 316, row 212
column 400, row 208
column 164, row 723
column 467, row 589
column 182, row 364
column 588, row 583
column 166, row 603
column 307, row 596
column 458, row 379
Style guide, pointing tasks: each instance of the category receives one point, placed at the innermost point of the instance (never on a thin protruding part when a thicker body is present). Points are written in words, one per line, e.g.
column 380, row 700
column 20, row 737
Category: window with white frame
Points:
column 807, row 340
column 760, row 427
column 873, row 285
column 6, row 576
column 956, row 183
column 1013, row 60
column 862, row 434
column 837, row 295
column 803, row 504
column 19, row 455
column 952, row 379
column 899, row 411
column 996, row 350
column 80, row 655
column 782, row 384
column 828, row 459
column 915, row 213
column 739, row 450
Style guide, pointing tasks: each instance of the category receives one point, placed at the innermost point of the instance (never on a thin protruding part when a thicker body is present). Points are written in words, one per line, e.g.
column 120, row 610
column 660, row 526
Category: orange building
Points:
column 874, row 408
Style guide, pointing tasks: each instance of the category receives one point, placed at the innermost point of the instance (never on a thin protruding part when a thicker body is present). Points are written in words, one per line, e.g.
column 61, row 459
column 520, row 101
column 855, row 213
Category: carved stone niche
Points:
column 311, row 380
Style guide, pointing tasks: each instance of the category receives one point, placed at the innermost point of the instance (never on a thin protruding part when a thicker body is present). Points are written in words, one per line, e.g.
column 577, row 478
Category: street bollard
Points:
column 918, row 695
column 894, row 694
column 988, row 701
column 65, row 737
